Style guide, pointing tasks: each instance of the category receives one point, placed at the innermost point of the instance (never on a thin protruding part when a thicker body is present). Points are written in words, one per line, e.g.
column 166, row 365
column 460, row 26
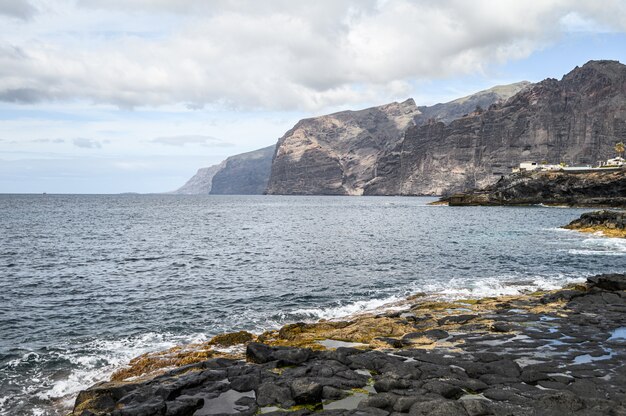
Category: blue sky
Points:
column 136, row 95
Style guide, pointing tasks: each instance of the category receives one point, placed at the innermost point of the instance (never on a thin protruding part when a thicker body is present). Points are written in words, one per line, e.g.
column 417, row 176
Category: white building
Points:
column 532, row 166
column 528, row 166
column 616, row 161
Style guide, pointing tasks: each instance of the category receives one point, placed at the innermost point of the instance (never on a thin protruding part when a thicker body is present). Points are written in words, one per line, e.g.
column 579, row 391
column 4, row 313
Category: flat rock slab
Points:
column 567, row 356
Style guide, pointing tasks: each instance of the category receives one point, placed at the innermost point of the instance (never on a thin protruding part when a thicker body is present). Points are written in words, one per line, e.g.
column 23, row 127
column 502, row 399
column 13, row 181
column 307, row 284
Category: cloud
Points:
column 87, row 143
column 55, row 141
column 20, row 9
column 183, row 140
column 282, row 54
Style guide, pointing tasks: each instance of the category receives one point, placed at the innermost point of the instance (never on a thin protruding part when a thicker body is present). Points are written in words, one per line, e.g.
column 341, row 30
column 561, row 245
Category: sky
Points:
column 112, row 96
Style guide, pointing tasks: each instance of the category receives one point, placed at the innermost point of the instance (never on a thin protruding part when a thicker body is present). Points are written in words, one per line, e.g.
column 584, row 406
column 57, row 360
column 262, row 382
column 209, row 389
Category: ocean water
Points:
column 88, row 282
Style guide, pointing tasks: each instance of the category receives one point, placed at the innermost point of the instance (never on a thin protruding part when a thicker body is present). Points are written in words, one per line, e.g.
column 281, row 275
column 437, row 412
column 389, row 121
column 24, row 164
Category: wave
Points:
column 351, row 309
column 454, row 289
column 601, row 246
column 90, row 363
column 506, row 285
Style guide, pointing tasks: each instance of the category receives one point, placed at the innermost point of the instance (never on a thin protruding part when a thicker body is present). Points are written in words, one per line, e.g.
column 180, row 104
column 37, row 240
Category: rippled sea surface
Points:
column 88, row 282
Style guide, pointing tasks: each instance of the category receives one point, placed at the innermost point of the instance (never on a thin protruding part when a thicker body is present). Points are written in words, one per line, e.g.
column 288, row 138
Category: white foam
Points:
column 102, row 359
column 453, row 289
column 496, row 286
column 355, row 308
column 601, row 246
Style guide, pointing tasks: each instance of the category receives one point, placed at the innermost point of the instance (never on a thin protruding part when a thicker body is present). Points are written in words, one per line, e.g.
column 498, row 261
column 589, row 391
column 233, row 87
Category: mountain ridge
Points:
column 404, row 149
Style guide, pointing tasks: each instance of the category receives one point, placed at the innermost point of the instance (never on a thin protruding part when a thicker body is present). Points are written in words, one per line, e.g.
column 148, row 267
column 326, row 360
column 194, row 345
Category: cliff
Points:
column 340, row 154
column 598, row 188
column 201, row 182
column 576, row 120
column 336, row 154
column 243, row 174
column 401, row 149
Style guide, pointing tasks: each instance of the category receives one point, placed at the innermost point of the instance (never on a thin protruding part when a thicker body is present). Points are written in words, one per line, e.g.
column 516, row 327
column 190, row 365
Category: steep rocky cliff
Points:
column 339, row 153
column 597, row 188
column 575, row 120
column 336, row 154
column 244, row 174
column 447, row 148
column 201, row 182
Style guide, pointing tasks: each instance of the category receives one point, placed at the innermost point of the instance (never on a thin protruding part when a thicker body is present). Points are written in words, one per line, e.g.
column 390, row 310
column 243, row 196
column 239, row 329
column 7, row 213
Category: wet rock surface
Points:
column 558, row 353
column 612, row 223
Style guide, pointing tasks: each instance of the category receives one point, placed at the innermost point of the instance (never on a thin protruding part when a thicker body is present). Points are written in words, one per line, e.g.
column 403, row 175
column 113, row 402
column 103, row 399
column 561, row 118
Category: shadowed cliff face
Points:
column 340, row 154
column 244, row 174
column 576, row 120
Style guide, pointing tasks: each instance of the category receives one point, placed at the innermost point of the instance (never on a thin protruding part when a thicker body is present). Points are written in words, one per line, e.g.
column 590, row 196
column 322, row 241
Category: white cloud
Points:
column 87, row 143
column 207, row 141
column 276, row 54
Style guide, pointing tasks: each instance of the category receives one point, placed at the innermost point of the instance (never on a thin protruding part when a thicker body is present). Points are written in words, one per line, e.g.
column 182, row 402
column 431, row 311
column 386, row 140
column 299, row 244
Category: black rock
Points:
column 443, row 389
column 305, row 391
column 261, row 353
column 477, row 407
column 272, row 394
column 456, row 319
column 561, row 400
column 437, row 408
column 612, row 282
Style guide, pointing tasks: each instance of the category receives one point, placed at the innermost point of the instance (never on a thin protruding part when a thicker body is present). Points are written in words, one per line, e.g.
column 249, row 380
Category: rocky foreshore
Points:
column 609, row 223
column 590, row 189
column 551, row 353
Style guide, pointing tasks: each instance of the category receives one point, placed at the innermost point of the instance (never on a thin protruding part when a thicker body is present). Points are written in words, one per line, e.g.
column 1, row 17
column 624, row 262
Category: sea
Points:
column 88, row 282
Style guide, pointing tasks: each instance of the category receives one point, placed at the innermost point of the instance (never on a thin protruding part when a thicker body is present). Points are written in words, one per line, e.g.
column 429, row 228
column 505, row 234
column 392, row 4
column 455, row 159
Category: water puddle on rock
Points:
column 225, row 403
column 588, row 358
column 619, row 333
column 351, row 402
column 334, row 344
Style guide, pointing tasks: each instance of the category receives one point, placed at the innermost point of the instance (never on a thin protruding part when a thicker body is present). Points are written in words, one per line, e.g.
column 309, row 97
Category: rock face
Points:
column 339, row 154
column 576, row 120
column 464, row 144
column 243, row 174
column 463, row 106
column 596, row 188
column 562, row 353
column 201, row 182
column 336, row 154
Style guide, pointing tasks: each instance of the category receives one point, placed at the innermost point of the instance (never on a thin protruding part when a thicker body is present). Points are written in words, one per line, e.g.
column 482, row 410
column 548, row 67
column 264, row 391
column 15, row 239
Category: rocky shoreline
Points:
column 546, row 353
column 590, row 189
column 609, row 223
